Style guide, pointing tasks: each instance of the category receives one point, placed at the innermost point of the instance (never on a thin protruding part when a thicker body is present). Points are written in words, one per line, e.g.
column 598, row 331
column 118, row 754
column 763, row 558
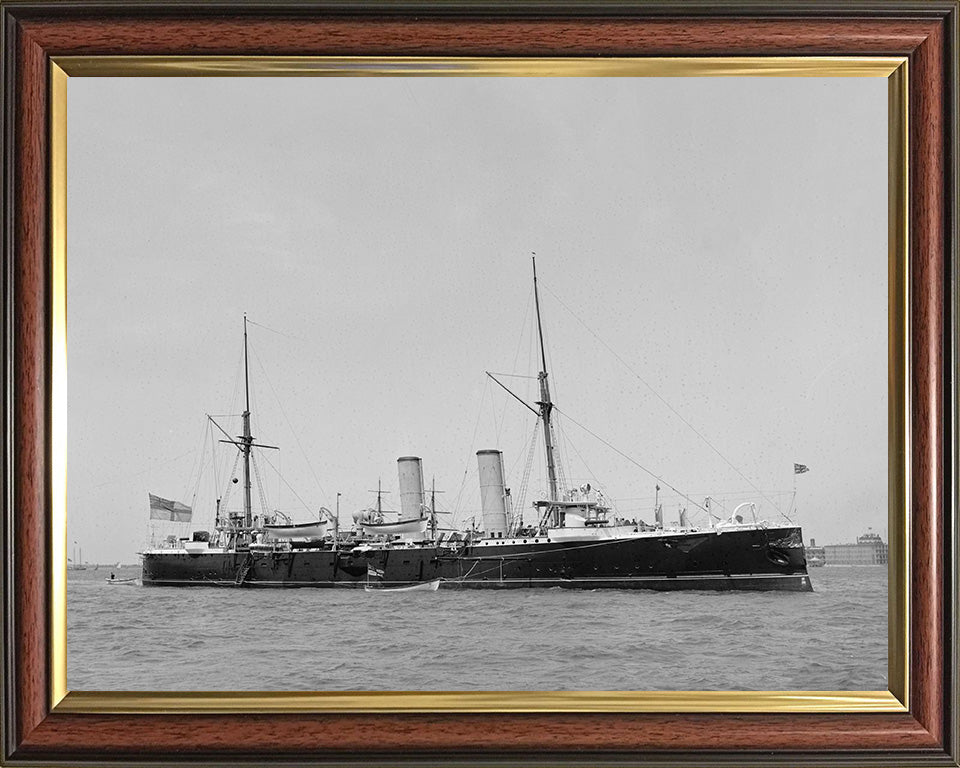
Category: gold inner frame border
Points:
column 895, row 699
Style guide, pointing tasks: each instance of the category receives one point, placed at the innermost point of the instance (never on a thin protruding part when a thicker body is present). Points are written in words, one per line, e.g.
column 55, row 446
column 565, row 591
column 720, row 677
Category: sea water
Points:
column 167, row 638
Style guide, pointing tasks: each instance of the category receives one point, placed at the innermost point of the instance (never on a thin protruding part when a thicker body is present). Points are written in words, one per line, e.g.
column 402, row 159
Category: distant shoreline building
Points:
column 816, row 557
column 870, row 549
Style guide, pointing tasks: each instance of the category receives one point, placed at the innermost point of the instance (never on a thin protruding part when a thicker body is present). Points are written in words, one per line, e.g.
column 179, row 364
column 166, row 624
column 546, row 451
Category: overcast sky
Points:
column 710, row 246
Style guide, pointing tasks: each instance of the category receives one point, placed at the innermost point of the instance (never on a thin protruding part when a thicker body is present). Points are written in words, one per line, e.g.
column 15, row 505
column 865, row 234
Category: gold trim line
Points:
column 352, row 66
column 895, row 700
column 58, row 387
column 898, row 394
column 102, row 702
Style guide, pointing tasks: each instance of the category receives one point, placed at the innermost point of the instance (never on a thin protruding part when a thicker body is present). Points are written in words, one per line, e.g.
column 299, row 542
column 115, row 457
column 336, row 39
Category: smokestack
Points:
column 492, row 493
column 684, row 518
column 410, row 472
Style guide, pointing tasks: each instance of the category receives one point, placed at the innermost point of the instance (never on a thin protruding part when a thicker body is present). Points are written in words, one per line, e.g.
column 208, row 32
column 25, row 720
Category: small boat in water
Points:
column 423, row 586
column 114, row 580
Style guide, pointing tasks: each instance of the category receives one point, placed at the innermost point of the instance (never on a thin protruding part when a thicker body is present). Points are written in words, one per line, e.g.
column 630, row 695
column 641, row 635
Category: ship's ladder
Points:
column 244, row 570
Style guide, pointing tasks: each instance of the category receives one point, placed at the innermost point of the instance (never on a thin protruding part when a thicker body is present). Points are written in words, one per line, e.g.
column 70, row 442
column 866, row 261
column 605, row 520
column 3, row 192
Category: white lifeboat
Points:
column 417, row 525
column 314, row 530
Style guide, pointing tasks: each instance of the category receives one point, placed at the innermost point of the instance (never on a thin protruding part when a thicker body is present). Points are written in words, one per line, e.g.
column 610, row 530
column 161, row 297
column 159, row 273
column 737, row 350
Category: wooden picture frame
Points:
column 917, row 723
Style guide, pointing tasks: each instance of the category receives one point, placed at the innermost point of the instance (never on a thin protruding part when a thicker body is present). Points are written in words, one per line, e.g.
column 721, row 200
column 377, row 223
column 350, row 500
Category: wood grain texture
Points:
column 30, row 383
column 928, row 149
column 866, row 738
column 423, row 37
column 296, row 736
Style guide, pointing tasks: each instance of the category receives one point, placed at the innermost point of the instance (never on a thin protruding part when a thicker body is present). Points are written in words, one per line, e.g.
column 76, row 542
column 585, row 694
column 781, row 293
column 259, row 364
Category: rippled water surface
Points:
column 168, row 638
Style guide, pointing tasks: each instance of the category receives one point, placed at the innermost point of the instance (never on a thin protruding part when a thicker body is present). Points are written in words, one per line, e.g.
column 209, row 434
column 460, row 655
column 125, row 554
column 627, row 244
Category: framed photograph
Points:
column 457, row 383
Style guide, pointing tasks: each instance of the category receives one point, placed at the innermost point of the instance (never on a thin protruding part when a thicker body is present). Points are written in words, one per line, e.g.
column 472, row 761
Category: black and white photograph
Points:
column 477, row 383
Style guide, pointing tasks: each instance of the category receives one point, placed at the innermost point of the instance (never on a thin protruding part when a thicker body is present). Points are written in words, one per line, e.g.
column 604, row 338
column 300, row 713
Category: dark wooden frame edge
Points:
column 926, row 32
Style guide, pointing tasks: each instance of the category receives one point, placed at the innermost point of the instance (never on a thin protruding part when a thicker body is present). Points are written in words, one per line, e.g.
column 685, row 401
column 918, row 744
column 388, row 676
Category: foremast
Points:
column 245, row 443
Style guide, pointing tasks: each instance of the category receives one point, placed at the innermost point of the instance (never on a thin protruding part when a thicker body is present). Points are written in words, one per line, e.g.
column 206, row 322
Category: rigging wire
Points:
column 216, row 476
column 290, row 487
column 531, row 387
column 153, row 466
column 260, row 489
column 224, row 465
column 473, row 442
column 296, row 437
column 238, row 375
column 202, row 465
column 272, row 330
column 560, row 456
column 196, row 465
column 225, row 454
column 493, row 413
column 520, row 459
column 213, row 459
column 715, row 495
column 633, row 461
column 663, row 400
column 527, row 469
column 596, row 480
column 516, row 357
column 255, row 429
column 233, row 474
column 558, row 463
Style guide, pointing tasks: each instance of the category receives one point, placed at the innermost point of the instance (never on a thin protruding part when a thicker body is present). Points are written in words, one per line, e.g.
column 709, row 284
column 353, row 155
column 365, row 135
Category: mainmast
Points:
column 246, row 439
column 546, row 405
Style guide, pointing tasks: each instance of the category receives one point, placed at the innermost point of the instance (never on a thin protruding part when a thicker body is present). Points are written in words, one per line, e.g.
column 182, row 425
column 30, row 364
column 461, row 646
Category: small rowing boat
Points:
column 423, row 586
column 113, row 580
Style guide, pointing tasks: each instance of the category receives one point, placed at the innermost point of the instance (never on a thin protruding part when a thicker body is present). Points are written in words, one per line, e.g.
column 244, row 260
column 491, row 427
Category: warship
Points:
column 573, row 539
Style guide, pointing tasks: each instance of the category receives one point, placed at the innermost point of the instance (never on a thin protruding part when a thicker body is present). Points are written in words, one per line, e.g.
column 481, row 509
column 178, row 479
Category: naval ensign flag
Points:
column 167, row 509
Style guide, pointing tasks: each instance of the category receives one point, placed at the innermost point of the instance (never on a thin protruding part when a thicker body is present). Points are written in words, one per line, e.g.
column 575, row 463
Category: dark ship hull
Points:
column 769, row 559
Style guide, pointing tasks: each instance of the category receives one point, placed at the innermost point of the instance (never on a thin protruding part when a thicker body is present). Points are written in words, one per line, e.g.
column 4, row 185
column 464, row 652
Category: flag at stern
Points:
column 165, row 509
